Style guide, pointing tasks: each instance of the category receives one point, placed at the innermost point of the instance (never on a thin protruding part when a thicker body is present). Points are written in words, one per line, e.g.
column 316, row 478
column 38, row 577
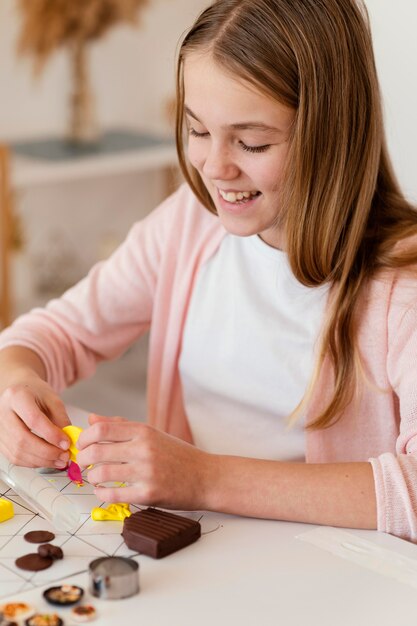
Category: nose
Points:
column 219, row 163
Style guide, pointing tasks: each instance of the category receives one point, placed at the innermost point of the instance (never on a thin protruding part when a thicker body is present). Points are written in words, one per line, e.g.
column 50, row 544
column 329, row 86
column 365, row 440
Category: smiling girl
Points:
column 278, row 284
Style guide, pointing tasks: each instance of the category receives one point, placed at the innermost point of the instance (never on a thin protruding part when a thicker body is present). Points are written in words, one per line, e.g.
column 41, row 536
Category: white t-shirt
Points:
column 247, row 351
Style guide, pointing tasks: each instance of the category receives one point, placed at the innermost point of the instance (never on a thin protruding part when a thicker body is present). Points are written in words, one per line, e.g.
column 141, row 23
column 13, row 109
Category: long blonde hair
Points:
column 343, row 211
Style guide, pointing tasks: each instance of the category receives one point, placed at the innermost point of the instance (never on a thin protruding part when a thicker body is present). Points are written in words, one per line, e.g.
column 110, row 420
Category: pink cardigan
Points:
column 150, row 278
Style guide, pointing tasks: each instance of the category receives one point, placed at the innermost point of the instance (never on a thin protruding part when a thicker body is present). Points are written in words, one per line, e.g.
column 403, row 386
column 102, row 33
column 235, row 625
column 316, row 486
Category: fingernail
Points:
column 60, row 464
column 64, row 445
column 64, row 457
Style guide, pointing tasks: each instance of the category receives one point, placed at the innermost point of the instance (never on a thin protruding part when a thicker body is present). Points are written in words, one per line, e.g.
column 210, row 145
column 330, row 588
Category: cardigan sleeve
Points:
column 102, row 315
column 396, row 474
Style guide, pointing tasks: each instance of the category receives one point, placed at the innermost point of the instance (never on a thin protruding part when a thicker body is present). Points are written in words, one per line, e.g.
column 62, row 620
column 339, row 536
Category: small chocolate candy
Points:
column 39, row 536
column 83, row 613
column 44, row 619
column 159, row 533
column 33, row 562
column 49, row 550
column 65, row 595
column 15, row 611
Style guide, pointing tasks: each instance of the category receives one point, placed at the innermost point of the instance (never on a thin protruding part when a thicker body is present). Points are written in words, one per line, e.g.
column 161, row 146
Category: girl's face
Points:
column 238, row 142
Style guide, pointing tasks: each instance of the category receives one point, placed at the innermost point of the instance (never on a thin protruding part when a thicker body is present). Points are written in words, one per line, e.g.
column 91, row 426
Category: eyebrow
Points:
column 241, row 125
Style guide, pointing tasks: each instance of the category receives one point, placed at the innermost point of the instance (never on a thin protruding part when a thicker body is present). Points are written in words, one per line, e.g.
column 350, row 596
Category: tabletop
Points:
column 247, row 571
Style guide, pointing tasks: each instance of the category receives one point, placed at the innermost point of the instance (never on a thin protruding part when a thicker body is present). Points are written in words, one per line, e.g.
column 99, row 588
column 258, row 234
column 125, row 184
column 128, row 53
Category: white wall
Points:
column 394, row 28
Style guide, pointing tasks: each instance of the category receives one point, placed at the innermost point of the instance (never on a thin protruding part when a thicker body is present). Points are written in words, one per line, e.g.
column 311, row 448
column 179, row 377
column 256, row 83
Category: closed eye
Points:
column 254, row 148
column 245, row 147
column 194, row 133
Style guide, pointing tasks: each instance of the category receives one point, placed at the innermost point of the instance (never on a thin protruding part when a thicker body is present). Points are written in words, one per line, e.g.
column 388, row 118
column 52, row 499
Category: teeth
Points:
column 232, row 196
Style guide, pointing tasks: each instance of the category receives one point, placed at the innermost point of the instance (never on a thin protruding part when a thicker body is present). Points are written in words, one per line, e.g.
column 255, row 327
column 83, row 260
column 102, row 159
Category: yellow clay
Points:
column 112, row 512
column 6, row 510
column 73, row 433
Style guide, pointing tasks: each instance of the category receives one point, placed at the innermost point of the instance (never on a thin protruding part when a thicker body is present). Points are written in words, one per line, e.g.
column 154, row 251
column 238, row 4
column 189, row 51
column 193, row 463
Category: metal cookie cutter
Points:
column 113, row 577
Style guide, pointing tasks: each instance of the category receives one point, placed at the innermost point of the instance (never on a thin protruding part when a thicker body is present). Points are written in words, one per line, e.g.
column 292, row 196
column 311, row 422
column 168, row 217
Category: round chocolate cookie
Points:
column 33, row 562
column 39, row 536
column 47, row 549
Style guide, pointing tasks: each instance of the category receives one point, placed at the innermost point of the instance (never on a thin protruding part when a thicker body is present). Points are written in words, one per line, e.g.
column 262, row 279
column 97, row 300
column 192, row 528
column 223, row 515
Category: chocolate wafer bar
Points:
column 159, row 533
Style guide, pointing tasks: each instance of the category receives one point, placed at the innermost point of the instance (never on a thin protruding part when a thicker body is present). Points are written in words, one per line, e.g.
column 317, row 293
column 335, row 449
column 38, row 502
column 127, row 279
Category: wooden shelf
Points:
column 27, row 172
column 52, row 161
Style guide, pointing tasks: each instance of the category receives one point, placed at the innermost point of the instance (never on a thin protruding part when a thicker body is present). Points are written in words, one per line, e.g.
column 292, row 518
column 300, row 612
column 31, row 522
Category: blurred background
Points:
column 70, row 76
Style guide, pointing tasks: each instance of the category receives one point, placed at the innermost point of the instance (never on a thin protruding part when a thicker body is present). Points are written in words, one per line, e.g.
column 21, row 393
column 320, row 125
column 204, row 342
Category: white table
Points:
column 258, row 573
column 253, row 572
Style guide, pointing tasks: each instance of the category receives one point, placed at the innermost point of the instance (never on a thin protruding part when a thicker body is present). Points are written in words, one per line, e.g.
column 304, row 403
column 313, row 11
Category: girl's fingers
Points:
column 29, row 459
column 94, row 418
column 103, row 453
column 109, row 473
column 57, row 412
column 107, row 430
column 31, row 414
column 121, row 494
column 26, row 449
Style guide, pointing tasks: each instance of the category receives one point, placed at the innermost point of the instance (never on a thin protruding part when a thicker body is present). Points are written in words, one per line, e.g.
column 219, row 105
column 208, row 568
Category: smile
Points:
column 238, row 196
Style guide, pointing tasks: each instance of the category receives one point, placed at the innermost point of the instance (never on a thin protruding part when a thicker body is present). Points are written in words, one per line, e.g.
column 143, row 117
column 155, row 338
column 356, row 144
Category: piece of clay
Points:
column 74, row 473
column 159, row 533
column 73, row 432
column 112, row 512
column 54, row 552
column 6, row 509
column 33, row 562
column 39, row 536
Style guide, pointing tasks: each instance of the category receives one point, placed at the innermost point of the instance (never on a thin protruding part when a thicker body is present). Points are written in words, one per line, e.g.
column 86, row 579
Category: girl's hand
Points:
column 160, row 470
column 31, row 418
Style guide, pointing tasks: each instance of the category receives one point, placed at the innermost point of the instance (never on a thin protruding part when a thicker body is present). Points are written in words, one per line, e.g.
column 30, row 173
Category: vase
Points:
column 83, row 125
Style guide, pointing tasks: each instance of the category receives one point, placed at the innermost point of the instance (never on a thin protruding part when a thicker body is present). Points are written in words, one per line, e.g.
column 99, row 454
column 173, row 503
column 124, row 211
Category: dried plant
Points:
column 50, row 24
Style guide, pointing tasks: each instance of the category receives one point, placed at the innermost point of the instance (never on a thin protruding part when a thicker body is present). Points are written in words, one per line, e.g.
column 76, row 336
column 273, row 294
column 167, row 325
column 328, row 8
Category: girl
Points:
column 277, row 282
